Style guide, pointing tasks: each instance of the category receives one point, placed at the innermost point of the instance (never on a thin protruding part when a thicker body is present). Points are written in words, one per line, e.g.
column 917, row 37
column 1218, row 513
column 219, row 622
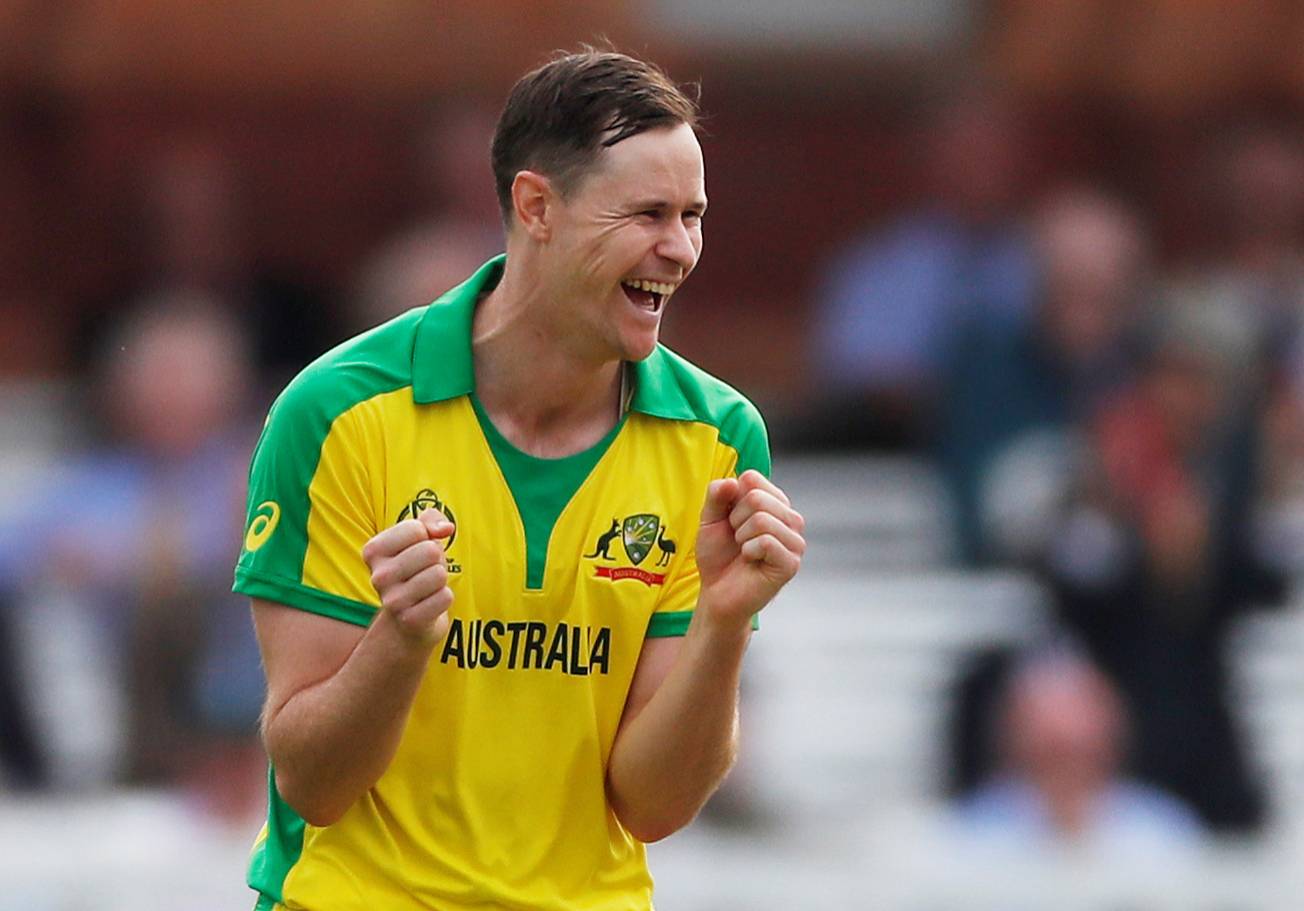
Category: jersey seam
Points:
column 303, row 597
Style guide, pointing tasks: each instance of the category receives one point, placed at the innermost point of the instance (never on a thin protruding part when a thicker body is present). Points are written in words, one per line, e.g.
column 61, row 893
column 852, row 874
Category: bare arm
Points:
column 678, row 736
column 338, row 696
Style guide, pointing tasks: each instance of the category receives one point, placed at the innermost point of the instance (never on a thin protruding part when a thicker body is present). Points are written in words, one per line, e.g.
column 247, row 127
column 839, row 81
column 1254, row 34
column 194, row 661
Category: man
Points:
column 893, row 298
column 1062, row 730
column 521, row 692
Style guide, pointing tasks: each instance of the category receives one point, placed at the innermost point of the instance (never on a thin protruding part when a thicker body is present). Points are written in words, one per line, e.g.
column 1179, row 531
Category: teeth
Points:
column 665, row 289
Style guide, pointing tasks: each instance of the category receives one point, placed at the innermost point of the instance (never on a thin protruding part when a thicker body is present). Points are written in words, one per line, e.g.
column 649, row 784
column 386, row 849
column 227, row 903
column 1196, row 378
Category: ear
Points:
column 532, row 197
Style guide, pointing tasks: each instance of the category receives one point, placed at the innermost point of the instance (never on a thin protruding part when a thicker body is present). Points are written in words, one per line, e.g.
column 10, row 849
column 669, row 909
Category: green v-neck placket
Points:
column 540, row 487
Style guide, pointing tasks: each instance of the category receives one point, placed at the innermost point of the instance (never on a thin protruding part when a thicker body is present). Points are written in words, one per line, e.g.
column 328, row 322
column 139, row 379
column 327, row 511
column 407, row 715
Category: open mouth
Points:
column 648, row 295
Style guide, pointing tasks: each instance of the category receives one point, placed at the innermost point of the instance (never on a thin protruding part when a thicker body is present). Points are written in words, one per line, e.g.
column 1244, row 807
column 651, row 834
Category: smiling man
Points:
column 506, row 552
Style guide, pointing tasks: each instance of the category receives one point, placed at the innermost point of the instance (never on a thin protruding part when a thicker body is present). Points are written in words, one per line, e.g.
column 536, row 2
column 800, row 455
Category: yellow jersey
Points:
column 560, row 567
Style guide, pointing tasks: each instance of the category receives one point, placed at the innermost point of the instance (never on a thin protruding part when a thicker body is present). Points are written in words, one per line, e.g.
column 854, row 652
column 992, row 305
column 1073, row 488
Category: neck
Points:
column 542, row 394
column 1070, row 811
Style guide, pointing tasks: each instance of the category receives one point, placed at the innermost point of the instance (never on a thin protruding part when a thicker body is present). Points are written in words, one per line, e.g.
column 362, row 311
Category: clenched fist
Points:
column 410, row 573
column 748, row 546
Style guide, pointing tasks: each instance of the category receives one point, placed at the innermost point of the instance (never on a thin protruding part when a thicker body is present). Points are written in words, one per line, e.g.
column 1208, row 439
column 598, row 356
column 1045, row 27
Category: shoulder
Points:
column 367, row 365
column 1144, row 806
column 672, row 387
column 999, row 797
column 903, row 256
column 308, row 410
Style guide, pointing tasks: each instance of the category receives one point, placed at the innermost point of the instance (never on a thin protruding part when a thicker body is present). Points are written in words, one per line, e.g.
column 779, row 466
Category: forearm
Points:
column 331, row 741
column 671, row 757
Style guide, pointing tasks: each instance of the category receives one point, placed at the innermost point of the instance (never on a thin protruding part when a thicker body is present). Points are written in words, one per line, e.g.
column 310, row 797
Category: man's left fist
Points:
column 748, row 546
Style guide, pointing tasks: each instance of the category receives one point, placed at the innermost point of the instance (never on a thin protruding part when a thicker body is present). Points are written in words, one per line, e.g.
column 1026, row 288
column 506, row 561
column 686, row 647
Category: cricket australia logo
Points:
column 428, row 499
column 638, row 535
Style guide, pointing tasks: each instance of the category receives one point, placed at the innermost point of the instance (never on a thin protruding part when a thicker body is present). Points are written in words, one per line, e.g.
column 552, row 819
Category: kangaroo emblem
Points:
column 603, row 547
column 666, row 546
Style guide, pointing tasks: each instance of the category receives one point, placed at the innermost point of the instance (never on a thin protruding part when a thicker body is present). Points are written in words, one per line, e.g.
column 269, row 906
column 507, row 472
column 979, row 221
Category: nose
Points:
column 680, row 244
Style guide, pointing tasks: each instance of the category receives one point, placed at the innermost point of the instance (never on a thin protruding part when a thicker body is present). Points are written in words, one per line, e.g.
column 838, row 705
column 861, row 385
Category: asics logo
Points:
column 263, row 524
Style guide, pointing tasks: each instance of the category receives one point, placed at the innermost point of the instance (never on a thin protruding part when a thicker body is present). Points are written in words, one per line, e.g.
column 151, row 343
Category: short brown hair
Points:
column 561, row 115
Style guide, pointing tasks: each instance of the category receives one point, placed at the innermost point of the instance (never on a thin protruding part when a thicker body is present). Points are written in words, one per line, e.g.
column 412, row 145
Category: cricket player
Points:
column 506, row 551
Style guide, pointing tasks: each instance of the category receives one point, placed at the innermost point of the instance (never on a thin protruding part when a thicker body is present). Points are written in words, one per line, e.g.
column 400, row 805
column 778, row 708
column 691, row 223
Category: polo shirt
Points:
column 561, row 568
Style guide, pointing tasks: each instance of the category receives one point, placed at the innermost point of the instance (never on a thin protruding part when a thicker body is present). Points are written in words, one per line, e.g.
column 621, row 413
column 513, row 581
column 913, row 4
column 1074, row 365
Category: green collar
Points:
column 441, row 355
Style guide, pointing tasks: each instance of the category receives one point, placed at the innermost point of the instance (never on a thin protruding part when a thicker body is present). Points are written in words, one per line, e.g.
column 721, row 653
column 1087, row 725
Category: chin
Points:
column 638, row 349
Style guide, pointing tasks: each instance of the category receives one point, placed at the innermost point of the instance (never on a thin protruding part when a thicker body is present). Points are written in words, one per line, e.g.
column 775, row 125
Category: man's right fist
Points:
column 410, row 573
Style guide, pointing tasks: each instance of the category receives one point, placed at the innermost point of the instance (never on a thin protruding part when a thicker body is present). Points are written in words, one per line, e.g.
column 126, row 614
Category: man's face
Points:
column 624, row 239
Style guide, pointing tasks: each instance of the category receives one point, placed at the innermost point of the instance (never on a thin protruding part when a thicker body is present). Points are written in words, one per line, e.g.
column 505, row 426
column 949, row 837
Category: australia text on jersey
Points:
column 527, row 645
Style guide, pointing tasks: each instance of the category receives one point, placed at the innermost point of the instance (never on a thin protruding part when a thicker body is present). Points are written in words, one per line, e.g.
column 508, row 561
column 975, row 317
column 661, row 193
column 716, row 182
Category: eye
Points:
column 693, row 218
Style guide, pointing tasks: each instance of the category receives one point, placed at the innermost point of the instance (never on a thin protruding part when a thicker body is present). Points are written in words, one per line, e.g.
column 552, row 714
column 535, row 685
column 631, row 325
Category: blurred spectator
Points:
column 142, row 664
column 456, row 227
column 1255, row 201
column 1006, row 382
column 1061, row 734
column 194, row 239
column 1159, row 553
column 893, row 299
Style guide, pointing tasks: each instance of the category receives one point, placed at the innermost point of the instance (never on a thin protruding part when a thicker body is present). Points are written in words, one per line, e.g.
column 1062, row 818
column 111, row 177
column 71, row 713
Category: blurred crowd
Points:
column 124, row 657
column 1124, row 427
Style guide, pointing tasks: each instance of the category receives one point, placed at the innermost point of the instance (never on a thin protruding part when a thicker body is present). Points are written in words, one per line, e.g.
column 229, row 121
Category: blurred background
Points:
column 1019, row 285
